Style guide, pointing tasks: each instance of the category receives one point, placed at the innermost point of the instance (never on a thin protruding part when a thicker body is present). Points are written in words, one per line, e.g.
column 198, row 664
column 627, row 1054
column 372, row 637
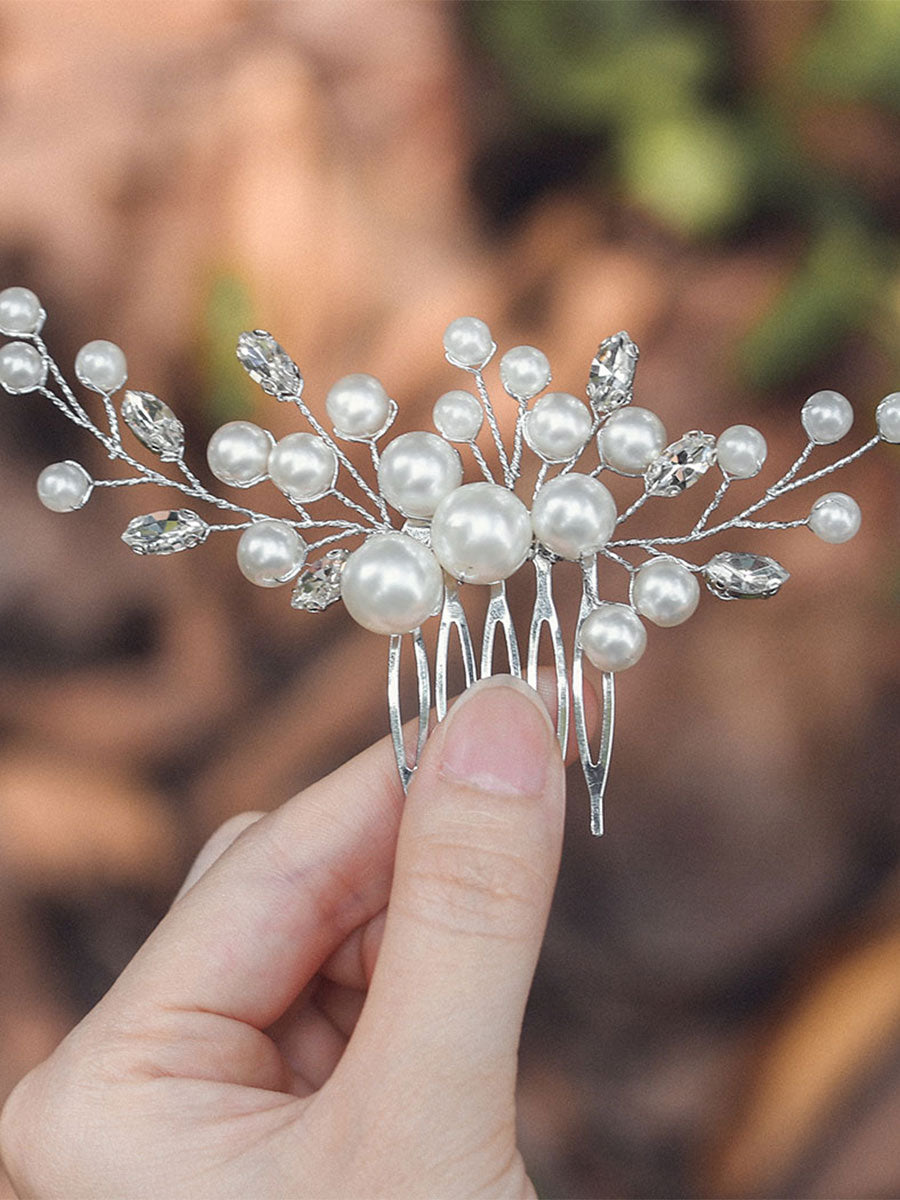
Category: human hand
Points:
column 332, row 1006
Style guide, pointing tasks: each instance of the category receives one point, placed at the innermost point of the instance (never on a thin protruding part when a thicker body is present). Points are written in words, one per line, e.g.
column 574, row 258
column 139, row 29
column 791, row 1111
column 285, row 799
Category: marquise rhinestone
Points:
column 165, row 532
column 741, row 576
column 681, row 465
column 269, row 364
column 611, row 377
column 154, row 424
column 319, row 584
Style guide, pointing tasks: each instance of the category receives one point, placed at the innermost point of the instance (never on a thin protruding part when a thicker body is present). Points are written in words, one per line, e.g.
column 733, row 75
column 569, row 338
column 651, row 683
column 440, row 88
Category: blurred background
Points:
column 717, row 1010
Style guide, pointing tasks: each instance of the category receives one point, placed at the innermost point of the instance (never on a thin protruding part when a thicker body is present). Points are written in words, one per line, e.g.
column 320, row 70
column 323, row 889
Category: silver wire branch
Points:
column 508, row 477
column 482, row 463
column 516, row 464
column 713, row 504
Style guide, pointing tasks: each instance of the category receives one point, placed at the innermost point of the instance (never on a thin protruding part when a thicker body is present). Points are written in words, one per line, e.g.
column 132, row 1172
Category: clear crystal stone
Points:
column 154, row 424
column 319, row 583
column 165, row 532
column 611, row 377
column 269, row 364
column 740, row 576
column 681, row 465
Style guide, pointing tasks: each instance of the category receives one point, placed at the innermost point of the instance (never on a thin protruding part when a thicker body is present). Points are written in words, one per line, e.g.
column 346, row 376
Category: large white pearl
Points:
column 64, row 486
column 835, row 517
column 481, row 533
column 558, row 427
column 457, row 416
column 101, row 366
column 468, row 342
column 524, row 371
column 358, row 406
column 416, row 471
column 887, row 417
column 20, row 311
column 613, row 637
column 630, row 439
column 826, row 417
column 741, row 451
column 392, row 583
column 270, row 553
column 665, row 592
column 238, row 453
column 22, row 369
column 302, row 466
column 573, row 515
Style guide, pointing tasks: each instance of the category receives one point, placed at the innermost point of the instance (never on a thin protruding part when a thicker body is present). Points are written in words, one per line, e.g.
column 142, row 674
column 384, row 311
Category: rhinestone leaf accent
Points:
column 165, row 532
column 681, row 465
column 740, row 576
column 611, row 377
column 269, row 364
column 319, row 584
column 154, row 424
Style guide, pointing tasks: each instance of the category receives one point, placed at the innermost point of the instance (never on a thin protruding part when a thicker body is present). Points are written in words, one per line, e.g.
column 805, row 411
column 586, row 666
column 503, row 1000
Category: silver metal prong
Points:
column 545, row 613
column 498, row 614
column 423, row 683
column 452, row 615
column 596, row 770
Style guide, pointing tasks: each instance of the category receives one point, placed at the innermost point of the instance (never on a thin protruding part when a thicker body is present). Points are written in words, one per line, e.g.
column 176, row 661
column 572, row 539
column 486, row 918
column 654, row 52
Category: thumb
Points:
column 477, row 859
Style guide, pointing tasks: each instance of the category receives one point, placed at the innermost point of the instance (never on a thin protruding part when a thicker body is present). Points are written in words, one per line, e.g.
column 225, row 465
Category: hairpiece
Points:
column 407, row 541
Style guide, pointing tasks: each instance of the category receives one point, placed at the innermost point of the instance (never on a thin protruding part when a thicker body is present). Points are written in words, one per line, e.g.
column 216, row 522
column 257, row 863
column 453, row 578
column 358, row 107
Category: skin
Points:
column 332, row 1006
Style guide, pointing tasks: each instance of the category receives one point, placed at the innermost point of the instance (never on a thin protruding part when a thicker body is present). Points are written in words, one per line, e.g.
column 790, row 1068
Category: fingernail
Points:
column 498, row 738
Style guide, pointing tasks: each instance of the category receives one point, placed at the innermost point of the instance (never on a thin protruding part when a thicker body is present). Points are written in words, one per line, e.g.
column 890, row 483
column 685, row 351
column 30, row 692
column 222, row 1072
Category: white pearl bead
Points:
column 101, row 366
column 573, row 515
column 665, row 592
column 613, row 637
column 302, row 466
column 270, row 553
column 238, row 453
column 826, row 417
column 835, row 517
column 358, row 406
column 741, row 451
column 22, row 369
column 64, row 486
column 392, row 583
column 887, row 417
column 457, row 416
column 416, row 471
column 20, row 311
column 558, row 427
column 468, row 342
column 524, row 371
column 481, row 533
column 630, row 439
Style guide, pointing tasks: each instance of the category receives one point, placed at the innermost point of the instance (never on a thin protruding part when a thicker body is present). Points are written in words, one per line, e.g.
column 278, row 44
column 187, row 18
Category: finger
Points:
column 216, row 846
column 477, row 858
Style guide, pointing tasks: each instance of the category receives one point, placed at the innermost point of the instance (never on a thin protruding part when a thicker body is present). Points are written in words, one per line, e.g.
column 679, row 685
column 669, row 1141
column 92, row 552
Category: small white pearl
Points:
column 302, row 466
column 238, row 453
column 457, row 416
column 20, row 311
column 630, row 439
column 835, row 517
column 524, row 371
column 64, row 486
column 22, row 369
column 358, row 406
column 468, row 342
column 826, row 417
column 270, row 553
column 887, row 417
column 741, row 451
column 392, row 583
column 558, row 427
column 665, row 592
column 416, row 471
column 573, row 515
column 613, row 637
column 101, row 366
column 481, row 533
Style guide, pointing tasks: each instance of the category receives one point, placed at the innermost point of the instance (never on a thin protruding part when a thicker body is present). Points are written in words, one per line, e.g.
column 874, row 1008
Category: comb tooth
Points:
column 596, row 770
column 544, row 613
column 423, row 684
column 452, row 615
column 498, row 614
